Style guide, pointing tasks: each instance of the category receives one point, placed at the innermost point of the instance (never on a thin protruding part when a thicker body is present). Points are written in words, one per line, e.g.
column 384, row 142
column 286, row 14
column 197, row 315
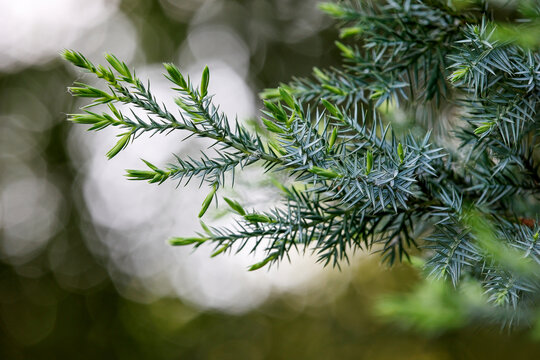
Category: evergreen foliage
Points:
column 361, row 179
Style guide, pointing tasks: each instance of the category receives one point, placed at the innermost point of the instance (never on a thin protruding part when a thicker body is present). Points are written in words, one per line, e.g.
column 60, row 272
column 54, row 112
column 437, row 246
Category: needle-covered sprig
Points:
column 432, row 117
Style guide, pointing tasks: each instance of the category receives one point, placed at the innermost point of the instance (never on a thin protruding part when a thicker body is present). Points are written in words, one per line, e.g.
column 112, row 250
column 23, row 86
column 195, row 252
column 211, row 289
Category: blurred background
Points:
column 85, row 271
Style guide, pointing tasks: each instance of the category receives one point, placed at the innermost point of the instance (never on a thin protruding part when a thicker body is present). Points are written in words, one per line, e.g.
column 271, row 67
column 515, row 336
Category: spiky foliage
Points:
column 356, row 182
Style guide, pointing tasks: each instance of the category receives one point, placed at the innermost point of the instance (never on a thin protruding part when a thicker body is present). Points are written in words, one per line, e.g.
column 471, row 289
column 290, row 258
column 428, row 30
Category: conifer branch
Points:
column 358, row 181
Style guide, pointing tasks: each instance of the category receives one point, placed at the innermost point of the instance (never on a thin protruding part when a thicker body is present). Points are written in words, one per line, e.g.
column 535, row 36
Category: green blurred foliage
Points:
column 435, row 306
column 518, row 20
